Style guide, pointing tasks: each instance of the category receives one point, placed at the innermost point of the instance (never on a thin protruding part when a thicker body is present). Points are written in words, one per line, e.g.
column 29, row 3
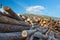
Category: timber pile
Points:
column 20, row 27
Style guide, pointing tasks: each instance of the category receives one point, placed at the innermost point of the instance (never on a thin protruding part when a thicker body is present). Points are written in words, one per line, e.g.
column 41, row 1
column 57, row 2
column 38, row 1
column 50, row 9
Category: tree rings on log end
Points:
column 6, row 8
column 24, row 34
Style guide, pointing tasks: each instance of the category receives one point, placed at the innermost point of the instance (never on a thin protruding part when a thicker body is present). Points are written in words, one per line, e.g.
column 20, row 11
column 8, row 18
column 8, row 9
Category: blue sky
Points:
column 48, row 7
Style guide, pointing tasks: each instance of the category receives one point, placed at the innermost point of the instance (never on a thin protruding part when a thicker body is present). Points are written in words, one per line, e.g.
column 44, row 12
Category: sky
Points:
column 38, row 7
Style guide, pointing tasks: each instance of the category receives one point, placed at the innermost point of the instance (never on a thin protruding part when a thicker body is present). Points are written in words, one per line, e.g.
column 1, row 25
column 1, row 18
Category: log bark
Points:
column 11, row 36
column 7, row 20
column 57, row 35
column 26, row 33
column 4, row 19
column 1, row 13
column 12, row 28
column 5, row 14
column 24, row 23
column 43, row 30
column 51, row 36
column 13, row 14
column 38, row 36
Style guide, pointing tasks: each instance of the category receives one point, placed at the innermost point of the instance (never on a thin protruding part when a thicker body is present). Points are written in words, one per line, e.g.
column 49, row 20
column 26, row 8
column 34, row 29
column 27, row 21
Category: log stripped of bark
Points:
column 12, row 28
column 13, row 14
column 26, row 33
column 11, row 36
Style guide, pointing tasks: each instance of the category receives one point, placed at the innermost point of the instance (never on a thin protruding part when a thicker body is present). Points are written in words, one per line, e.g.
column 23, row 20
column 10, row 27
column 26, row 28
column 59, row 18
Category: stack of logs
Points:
column 19, row 27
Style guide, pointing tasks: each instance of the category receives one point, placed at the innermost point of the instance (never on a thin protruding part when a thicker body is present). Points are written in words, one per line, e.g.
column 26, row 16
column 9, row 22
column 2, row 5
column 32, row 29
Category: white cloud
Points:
column 35, row 9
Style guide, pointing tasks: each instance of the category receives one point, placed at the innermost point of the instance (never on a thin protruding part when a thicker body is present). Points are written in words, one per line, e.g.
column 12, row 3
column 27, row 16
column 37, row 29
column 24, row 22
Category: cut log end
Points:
column 6, row 8
column 28, row 19
column 24, row 34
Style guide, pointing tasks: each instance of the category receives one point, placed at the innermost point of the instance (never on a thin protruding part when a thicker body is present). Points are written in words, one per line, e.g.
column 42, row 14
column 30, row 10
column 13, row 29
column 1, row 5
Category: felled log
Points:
column 57, row 35
column 1, row 13
column 11, row 36
column 23, row 17
column 35, row 26
column 20, row 16
column 24, row 23
column 38, row 36
column 26, row 33
column 4, row 19
column 51, row 36
column 5, row 14
column 43, row 30
column 7, row 20
column 12, row 28
column 13, row 14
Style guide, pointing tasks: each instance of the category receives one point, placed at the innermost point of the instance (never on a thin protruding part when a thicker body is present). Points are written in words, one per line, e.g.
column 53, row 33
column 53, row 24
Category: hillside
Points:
column 31, row 15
